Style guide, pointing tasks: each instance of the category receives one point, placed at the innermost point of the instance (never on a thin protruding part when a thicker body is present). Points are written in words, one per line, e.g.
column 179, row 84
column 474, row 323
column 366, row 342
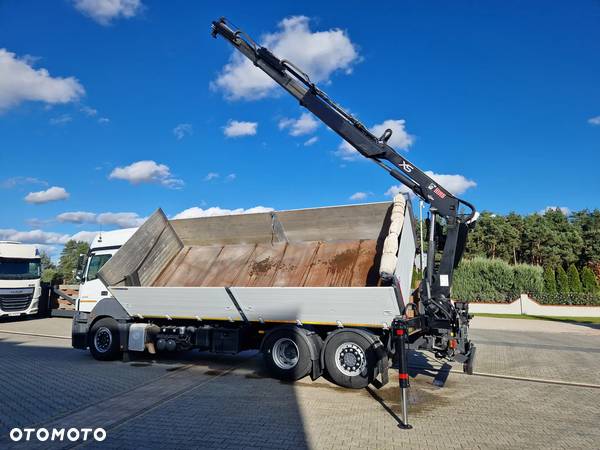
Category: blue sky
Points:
column 503, row 94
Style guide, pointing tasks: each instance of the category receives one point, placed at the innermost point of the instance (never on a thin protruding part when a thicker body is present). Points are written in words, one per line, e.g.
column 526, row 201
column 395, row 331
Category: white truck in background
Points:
column 20, row 279
column 102, row 248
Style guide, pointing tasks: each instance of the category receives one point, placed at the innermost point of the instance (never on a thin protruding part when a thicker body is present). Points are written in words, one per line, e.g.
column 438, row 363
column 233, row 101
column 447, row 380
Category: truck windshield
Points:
column 20, row 269
column 96, row 263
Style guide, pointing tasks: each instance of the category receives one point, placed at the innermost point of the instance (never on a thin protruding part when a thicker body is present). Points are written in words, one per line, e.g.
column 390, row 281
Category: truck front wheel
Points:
column 104, row 340
column 287, row 354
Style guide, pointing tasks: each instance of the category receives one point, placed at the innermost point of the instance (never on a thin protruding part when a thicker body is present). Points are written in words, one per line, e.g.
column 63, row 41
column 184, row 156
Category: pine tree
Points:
column 589, row 281
column 46, row 261
column 574, row 280
column 549, row 280
column 562, row 282
column 68, row 259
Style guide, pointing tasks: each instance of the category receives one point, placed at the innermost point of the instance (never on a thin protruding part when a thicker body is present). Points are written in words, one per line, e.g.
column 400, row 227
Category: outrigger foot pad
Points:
column 468, row 366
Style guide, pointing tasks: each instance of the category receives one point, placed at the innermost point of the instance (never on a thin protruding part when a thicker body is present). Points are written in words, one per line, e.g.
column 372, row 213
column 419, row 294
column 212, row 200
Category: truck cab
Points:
column 20, row 278
column 102, row 248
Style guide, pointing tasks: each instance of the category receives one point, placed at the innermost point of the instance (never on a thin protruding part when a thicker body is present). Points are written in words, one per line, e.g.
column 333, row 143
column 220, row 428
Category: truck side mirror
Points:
column 81, row 260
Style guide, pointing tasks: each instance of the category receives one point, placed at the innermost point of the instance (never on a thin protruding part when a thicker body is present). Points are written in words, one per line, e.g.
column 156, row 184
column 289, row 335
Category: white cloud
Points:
column 37, row 223
column 61, row 120
column 347, row 152
column 103, row 120
column 146, row 172
column 34, row 236
column 305, row 124
column 195, row 211
column 359, row 195
column 235, row 128
column 20, row 82
column 86, row 236
column 594, row 120
column 319, row 54
column 12, row 182
column 51, row 194
column 104, row 11
column 456, row 184
column 398, row 189
column 50, row 250
column 563, row 209
column 47, row 241
column 121, row 219
column 400, row 139
column 211, row 176
column 231, row 177
column 88, row 111
column 182, row 130
column 311, row 141
column 77, row 217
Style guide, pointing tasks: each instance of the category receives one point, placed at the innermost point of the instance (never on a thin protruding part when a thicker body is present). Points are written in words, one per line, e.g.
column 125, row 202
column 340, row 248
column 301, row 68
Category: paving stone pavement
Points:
column 202, row 401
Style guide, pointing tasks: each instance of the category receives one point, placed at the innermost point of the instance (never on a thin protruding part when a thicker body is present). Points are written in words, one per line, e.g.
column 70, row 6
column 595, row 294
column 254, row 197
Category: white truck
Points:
column 322, row 290
column 102, row 248
column 315, row 289
column 20, row 279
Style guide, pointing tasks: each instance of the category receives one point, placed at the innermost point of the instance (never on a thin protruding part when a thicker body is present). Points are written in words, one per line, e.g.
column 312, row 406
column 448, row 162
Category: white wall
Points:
column 525, row 305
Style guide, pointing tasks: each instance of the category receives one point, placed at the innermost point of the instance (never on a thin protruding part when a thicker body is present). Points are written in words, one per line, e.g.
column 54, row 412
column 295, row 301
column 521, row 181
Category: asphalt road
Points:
column 204, row 401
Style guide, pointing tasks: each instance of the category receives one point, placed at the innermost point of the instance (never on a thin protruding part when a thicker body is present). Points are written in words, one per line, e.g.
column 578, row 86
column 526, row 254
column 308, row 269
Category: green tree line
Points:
column 551, row 239
column 64, row 271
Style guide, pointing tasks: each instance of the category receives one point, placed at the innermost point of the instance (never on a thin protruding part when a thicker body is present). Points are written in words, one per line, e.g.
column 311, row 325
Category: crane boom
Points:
column 434, row 292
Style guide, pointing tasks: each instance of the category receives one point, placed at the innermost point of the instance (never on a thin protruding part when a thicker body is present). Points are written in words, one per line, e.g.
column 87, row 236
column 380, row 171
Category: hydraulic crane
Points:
column 438, row 324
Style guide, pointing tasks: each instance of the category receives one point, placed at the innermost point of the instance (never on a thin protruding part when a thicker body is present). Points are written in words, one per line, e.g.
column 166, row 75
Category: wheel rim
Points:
column 285, row 354
column 103, row 340
column 350, row 359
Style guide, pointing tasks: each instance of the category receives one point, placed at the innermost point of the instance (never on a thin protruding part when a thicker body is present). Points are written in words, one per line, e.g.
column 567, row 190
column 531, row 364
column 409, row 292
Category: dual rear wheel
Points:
column 349, row 357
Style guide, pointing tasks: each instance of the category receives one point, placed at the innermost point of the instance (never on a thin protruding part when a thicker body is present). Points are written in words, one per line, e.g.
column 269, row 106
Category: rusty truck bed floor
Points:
column 314, row 263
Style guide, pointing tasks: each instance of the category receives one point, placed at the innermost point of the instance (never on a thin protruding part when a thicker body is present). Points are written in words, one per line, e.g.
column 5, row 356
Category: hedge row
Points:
column 494, row 280
column 571, row 298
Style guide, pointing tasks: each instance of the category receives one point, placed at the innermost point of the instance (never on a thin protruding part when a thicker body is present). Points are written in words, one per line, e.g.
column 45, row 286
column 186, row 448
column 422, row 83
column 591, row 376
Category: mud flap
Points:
column 315, row 355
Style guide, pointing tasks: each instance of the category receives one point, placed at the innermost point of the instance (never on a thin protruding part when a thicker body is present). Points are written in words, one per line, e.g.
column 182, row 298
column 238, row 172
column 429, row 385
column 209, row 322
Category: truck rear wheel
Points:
column 350, row 359
column 287, row 354
column 104, row 339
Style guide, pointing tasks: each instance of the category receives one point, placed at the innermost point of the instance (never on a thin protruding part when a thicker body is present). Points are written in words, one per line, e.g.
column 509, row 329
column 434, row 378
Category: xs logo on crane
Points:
column 406, row 167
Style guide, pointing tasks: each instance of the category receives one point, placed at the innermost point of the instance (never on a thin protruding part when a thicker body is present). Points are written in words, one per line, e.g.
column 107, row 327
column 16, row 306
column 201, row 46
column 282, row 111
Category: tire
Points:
column 103, row 340
column 350, row 360
column 286, row 353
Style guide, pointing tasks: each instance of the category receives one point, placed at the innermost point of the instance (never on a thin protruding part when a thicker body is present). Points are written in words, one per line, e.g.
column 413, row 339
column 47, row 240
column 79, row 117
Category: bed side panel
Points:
column 359, row 306
column 177, row 302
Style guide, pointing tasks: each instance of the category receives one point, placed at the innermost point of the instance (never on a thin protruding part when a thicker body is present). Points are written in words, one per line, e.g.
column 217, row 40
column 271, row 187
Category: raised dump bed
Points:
column 320, row 265
column 281, row 264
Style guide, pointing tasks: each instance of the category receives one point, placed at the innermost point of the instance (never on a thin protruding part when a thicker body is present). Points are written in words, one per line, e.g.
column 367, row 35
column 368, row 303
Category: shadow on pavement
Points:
column 228, row 401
